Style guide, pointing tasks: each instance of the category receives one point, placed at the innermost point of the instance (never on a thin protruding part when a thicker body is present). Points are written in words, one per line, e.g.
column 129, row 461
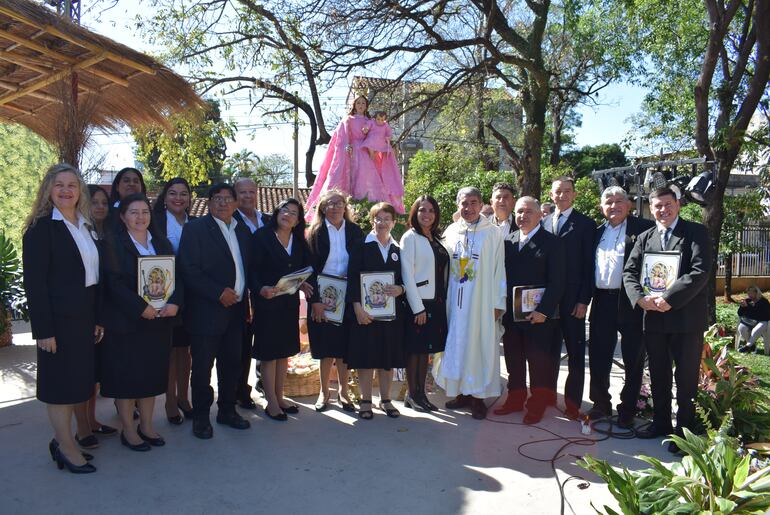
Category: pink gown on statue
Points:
column 340, row 168
column 384, row 167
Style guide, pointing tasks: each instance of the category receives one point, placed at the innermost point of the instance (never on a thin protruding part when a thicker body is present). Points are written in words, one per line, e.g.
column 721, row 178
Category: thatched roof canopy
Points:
column 38, row 49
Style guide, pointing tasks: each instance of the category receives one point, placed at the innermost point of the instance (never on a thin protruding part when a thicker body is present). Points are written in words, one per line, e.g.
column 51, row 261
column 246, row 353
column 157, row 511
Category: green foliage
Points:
column 598, row 157
column 739, row 210
column 727, row 317
column 195, row 150
column 713, row 477
column 269, row 170
column 13, row 298
column 440, row 173
column 692, row 212
column 588, row 197
column 24, row 159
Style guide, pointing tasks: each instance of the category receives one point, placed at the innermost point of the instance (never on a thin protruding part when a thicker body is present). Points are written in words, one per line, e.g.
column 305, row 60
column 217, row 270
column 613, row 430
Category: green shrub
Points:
column 727, row 317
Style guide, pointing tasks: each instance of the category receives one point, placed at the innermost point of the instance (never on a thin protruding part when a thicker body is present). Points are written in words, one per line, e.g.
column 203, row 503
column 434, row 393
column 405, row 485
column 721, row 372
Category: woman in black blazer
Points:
column 425, row 270
column 279, row 249
column 126, row 182
column 376, row 344
column 329, row 342
column 61, row 273
column 134, row 358
column 170, row 213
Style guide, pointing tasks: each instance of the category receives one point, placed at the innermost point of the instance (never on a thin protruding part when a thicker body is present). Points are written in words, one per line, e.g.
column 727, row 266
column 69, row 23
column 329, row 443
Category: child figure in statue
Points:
column 379, row 146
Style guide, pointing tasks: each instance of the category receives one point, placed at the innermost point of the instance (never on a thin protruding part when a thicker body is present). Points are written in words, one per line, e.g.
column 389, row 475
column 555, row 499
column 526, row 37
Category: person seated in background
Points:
column 754, row 313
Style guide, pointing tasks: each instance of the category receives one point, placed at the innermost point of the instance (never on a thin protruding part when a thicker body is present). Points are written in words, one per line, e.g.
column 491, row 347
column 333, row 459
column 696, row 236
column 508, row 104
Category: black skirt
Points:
column 135, row 365
column 180, row 337
column 69, row 375
column 431, row 336
column 377, row 345
column 329, row 340
column 276, row 331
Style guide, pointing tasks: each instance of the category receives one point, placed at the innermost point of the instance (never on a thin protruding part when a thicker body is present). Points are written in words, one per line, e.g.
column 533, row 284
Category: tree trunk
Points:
column 535, row 102
column 728, row 277
column 557, row 121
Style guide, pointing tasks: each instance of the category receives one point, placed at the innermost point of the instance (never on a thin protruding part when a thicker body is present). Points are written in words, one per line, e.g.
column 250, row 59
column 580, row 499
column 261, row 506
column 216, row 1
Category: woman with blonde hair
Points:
column 754, row 314
column 61, row 273
column 331, row 237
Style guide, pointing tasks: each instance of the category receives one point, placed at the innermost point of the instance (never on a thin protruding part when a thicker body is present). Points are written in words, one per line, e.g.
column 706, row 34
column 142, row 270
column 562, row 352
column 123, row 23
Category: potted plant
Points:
column 13, row 300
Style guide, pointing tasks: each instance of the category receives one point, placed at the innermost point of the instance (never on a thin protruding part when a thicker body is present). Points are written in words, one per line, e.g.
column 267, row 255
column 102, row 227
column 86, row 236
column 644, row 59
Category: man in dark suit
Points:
column 674, row 315
column 576, row 232
column 248, row 215
column 533, row 257
column 214, row 259
column 611, row 311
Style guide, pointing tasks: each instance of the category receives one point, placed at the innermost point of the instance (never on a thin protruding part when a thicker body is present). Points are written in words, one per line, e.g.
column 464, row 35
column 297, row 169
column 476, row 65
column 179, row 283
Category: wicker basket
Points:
column 302, row 385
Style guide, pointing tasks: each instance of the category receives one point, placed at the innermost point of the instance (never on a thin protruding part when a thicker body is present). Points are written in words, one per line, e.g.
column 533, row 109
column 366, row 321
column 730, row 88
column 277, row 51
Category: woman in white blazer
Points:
column 424, row 269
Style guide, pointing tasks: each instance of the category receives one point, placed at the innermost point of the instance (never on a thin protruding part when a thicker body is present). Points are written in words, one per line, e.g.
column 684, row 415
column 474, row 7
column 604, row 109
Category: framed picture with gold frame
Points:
column 156, row 279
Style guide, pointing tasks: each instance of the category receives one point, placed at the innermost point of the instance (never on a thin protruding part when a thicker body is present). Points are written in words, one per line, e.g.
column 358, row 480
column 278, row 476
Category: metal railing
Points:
column 756, row 262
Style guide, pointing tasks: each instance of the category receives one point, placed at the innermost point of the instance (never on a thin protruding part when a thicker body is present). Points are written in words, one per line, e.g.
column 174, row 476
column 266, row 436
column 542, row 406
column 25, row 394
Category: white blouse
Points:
column 144, row 251
column 174, row 230
column 85, row 243
column 337, row 261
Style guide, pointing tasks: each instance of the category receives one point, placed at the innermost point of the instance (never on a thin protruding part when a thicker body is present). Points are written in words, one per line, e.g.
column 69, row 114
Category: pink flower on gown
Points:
column 339, row 169
column 381, row 178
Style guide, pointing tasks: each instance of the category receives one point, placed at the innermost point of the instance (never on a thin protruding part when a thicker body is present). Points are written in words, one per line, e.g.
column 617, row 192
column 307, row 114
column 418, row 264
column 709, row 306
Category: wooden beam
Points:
column 14, row 108
column 35, row 94
column 24, row 62
column 56, row 55
column 112, row 56
column 45, row 81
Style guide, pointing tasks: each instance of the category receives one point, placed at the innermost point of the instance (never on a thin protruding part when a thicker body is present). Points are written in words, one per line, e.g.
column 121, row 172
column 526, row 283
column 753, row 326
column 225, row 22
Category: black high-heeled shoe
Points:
column 281, row 417
column 188, row 413
column 62, row 461
column 410, row 402
column 53, row 445
column 140, row 447
column 425, row 403
column 155, row 442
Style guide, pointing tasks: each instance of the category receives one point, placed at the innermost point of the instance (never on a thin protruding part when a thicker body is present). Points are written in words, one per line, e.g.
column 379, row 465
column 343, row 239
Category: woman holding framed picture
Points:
column 374, row 287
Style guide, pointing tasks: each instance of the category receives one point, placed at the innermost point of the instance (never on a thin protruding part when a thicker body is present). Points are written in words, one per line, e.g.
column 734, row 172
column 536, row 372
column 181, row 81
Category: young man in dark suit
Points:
column 249, row 216
column 611, row 311
column 674, row 321
column 502, row 201
column 214, row 259
column 533, row 257
column 576, row 232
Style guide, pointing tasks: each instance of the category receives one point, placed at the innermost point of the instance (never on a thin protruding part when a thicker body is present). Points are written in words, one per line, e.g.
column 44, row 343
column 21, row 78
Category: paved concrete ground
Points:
column 316, row 463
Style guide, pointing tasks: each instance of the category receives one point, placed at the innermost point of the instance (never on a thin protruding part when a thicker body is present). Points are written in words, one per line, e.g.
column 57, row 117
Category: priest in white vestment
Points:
column 469, row 367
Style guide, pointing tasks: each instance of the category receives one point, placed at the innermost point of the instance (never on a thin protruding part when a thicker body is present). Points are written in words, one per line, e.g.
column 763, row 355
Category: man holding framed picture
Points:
column 666, row 275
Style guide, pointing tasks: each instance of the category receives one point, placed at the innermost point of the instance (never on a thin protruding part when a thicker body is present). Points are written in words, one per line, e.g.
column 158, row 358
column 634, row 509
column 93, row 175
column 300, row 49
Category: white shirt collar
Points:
column 373, row 237
column 57, row 215
column 661, row 228
column 330, row 225
column 566, row 212
column 527, row 237
column 170, row 216
column 220, row 223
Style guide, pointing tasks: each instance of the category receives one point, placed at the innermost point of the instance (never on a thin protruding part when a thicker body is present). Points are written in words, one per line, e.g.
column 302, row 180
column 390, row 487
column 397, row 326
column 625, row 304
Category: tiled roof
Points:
column 267, row 198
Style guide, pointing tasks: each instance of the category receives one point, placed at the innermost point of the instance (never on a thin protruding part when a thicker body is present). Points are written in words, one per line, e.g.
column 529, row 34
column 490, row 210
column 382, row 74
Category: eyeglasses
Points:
column 380, row 221
column 287, row 211
column 223, row 200
column 335, row 205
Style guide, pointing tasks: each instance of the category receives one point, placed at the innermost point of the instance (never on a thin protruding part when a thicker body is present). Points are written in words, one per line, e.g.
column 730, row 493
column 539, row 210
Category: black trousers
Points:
column 225, row 349
column 574, row 333
column 244, row 389
column 536, row 346
column 603, row 337
column 684, row 349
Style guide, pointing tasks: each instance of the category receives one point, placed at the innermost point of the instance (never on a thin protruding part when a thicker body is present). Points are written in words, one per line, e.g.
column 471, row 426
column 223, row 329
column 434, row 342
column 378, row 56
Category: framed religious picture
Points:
column 156, row 279
column 373, row 298
column 526, row 299
column 331, row 290
column 290, row 283
column 659, row 271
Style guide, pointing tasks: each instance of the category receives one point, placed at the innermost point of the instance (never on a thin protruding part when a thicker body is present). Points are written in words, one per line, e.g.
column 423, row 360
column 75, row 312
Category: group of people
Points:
column 457, row 294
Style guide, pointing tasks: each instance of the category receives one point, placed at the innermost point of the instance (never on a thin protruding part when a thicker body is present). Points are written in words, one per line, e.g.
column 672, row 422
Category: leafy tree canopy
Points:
column 598, row 157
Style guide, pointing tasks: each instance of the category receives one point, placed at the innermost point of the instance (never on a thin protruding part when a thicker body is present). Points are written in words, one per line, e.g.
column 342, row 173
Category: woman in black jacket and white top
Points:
column 424, row 269
column 331, row 238
column 754, row 313
column 61, row 274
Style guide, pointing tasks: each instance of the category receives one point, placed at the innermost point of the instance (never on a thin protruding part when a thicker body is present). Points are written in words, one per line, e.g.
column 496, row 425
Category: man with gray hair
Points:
column 612, row 312
column 469, row 368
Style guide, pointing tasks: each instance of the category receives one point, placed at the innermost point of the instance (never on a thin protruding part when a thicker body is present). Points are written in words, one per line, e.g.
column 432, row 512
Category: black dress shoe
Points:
column 598, row 413
column 345, row 405
column 53, row 445
column 176, row 420
column 155, row 442
column 140, row 447
column 247, row 403
column 291, row 410
column 747, row 348
column 533, row 417
column 478, row 409
column 281, row 417
column 625, row 422
column 104, row 430
column 459, row 402
column 233, row 420
column 89, row 442
column 653, row 431
column 674, row 448
column 202, row 429
column 62, row 461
